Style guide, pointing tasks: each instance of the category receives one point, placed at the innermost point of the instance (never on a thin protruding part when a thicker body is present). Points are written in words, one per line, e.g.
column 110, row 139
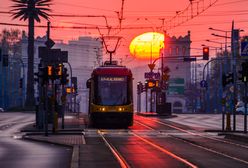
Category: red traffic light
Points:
column 205, row 53
column 205, row 49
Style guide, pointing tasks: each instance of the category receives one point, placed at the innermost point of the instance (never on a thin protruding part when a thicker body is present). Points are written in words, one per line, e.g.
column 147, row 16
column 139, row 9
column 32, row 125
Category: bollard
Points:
column 228, row 121
column 55, row 122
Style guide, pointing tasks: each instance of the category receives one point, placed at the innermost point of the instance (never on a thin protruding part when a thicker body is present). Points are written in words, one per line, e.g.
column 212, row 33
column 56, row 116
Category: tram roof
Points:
column 112, row 70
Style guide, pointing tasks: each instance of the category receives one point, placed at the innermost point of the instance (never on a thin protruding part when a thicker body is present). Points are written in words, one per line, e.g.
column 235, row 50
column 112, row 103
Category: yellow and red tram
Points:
column 111, row 96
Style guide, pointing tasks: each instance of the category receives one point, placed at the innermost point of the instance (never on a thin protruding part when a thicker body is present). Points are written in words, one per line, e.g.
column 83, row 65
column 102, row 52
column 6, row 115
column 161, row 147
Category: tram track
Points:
column 195, row 144
column 196, row 134
column 123, row 163
column 121, row 159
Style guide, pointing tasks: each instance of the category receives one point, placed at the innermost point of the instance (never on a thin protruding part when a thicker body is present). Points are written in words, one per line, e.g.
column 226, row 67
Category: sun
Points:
column 147, row 45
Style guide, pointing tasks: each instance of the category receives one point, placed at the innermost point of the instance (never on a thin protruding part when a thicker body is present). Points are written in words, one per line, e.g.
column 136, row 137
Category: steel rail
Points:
column 118, row 156
column 196, row 134
column 201, row 146
column 161, row 148
column 122, row 161
column 211, row 150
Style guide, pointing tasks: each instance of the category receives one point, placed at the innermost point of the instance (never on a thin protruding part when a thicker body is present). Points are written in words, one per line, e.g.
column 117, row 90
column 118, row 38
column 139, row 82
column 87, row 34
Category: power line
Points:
column 232, row 2
column 82, row 6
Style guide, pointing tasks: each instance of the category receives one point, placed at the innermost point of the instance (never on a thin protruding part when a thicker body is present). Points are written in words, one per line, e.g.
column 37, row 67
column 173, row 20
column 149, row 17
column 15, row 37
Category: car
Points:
column 239, row 104
column 241, row 109
column 1, row 109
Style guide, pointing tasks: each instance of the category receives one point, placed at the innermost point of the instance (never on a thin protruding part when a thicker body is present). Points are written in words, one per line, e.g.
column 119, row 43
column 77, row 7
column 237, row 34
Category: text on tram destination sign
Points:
column 112, row 79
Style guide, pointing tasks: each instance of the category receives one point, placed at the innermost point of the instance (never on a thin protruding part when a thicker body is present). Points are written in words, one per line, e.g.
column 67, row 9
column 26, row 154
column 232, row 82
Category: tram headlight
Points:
column 120, row 109
column 102, row 109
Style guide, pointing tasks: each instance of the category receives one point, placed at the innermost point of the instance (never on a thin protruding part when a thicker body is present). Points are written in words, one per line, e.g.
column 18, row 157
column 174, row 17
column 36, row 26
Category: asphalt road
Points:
column 155, row 142
column 18, row 153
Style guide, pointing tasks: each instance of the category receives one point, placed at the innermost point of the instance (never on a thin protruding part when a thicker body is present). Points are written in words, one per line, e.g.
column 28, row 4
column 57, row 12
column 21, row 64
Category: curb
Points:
column 236, row 137
column 75, row 149
column 75, row 157
column 155, row 115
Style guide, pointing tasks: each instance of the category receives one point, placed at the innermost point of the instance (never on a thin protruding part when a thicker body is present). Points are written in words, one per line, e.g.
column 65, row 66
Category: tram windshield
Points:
column 112, row 90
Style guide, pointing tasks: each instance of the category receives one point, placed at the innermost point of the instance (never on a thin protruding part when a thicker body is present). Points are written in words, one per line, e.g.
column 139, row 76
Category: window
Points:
column 177, row 50
column 112, row 90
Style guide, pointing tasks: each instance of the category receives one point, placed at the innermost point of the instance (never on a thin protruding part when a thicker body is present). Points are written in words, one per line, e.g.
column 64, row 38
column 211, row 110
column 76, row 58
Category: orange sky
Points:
column 140, row 13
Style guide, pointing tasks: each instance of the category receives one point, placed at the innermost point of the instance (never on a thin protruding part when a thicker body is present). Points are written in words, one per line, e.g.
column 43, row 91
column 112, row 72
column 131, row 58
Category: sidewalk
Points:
column 71, row 136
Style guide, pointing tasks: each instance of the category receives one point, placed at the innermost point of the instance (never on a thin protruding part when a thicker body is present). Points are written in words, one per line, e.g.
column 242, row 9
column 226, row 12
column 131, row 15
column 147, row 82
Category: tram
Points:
column 111, row 96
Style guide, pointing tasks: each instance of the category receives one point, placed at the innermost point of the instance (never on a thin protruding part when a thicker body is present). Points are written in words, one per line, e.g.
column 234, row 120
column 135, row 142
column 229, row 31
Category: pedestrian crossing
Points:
column 207, row 121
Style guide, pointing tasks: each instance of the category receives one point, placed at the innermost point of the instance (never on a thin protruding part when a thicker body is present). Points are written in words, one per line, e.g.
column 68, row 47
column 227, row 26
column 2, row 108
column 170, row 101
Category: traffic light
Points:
column 57, row 71
column 139, row 88
column 152, row 83
column 5, row 60
column 244, row 72
column 0, row 54
column 224, row 81
column 205, row 53
column 64, row 77
column 60, row 70
column 50, row 71
column 165, row 75
column 20, row 82
column 227, row 78
column 42, row 75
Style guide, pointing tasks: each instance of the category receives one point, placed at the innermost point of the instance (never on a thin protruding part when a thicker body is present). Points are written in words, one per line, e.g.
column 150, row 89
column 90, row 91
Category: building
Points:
column 180, row 72
column 11, row 74
column 180, row 75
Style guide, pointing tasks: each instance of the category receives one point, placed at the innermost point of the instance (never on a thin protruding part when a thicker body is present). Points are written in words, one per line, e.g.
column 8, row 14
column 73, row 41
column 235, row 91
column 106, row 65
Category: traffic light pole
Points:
column 45, row 108
column 70, row 85
column 146, row 101
column 245, row 117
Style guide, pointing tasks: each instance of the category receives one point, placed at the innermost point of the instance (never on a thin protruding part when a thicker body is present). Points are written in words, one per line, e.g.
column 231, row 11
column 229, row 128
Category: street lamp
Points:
column 215, row 42
column 225, row 36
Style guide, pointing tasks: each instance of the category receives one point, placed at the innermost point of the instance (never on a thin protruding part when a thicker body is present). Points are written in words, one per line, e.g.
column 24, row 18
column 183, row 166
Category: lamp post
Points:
column 232, row 37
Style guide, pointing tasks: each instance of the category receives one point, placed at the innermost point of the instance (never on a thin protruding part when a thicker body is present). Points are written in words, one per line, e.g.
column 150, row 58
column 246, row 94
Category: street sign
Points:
column 151, row 66
column 244, row 48
column 176, row 86
column 151, row 75
column 53, row 55
column 49, row 43
column 204, row 83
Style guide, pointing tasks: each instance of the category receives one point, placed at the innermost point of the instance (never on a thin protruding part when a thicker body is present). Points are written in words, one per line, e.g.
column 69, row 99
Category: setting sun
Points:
column 147, row 45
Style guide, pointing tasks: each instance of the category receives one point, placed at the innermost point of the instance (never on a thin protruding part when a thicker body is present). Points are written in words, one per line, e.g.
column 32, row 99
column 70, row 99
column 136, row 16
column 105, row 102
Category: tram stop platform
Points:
column 154, row 114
